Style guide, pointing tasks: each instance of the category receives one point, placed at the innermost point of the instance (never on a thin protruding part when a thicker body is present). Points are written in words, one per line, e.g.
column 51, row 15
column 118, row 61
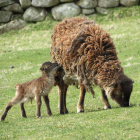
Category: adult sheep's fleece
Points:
column 87, row 55
column 83, row 48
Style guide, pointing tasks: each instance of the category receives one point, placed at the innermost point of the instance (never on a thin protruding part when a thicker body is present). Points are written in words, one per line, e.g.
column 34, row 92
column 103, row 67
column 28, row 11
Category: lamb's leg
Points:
column 62, row 89
column 80, row 106
column 14, row 101
column 8, row 107
column 23, row 113
column 38, row 106
column 105, row 100
column 46, row 99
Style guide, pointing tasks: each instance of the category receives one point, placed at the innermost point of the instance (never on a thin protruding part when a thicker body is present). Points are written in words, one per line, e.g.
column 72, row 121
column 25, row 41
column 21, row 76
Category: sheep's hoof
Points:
column 66, row 112
column 80, row 110
column 61, row 113
column 109, row 107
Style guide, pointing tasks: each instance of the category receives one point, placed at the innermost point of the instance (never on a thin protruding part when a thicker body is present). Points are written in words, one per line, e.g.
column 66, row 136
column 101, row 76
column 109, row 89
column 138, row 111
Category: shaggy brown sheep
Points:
column 35, row 89
column 88, row 56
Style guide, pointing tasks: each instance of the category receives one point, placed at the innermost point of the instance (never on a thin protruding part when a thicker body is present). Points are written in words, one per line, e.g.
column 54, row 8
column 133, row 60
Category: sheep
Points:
column 35, row 89
column 88, row 57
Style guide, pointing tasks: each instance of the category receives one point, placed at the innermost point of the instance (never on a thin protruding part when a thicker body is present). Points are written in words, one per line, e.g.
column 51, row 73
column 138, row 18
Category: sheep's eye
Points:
column 121, row 93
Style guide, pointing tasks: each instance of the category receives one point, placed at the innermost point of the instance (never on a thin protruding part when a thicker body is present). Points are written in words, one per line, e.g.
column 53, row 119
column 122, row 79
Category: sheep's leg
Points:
column 65, row 92
column 62, row 89
column 80, row 106
column 14, row 101
column 38, row 106
column 105, row 100
column 61, row 100
column 46, row 99
column 23, row 113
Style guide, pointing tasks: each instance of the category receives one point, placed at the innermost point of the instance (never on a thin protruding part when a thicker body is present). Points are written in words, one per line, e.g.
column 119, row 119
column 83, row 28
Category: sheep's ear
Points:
column 112, row 85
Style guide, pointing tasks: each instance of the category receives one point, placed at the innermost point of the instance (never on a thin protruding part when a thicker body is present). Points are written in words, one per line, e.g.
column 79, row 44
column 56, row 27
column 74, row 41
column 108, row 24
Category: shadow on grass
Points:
column 112, row 108
column 33, row 117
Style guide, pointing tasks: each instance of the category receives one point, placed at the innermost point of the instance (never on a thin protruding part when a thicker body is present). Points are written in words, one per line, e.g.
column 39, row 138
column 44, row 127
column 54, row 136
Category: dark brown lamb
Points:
column 88, row 56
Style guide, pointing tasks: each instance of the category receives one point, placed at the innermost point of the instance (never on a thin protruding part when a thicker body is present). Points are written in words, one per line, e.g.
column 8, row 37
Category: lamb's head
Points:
column 120, row 90
column 49, row 68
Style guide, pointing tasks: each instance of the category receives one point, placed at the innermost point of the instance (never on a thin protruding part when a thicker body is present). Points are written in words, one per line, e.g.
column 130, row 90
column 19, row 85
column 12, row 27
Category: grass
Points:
column 28, row 48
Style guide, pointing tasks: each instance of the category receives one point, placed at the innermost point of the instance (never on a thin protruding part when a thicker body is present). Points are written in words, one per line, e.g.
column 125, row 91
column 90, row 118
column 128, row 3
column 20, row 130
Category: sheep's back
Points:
column 78, row 43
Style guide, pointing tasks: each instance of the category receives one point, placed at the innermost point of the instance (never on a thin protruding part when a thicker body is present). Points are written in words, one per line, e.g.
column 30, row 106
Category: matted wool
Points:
column 83, row 48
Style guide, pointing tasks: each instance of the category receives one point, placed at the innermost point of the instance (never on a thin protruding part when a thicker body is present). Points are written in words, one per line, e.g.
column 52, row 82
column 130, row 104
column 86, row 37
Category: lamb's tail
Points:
column 16, row 86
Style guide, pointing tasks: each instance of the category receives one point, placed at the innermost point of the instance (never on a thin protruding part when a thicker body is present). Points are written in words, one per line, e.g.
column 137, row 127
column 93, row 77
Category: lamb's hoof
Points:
column 2, row 118
column 93, row 96
column 49, row 114
column 38, row 117
column 24, row 116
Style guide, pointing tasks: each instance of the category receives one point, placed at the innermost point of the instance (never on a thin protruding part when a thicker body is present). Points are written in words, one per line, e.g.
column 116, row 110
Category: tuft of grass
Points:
column 28, row 48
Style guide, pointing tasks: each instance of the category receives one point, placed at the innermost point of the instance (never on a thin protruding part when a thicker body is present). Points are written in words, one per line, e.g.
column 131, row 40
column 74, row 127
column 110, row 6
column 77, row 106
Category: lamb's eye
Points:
column 48, row 66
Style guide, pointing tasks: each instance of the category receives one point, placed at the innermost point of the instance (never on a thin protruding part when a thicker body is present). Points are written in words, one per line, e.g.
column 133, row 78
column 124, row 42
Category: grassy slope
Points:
column 28, row 48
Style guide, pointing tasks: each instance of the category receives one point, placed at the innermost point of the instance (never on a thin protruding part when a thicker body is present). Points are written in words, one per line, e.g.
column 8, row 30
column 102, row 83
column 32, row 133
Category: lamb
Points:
column 88, row 57
column 35, row 89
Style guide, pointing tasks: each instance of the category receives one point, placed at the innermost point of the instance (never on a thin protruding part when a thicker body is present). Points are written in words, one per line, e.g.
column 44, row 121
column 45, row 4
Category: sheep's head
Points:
column 49, row 67
column 120, row 90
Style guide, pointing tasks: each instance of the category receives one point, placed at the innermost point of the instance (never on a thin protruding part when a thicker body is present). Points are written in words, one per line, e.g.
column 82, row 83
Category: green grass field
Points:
column 28, row 48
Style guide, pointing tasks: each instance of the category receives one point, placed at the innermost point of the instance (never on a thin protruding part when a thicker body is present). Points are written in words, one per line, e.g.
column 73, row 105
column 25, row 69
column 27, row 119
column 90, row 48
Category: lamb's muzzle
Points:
column 35, row 89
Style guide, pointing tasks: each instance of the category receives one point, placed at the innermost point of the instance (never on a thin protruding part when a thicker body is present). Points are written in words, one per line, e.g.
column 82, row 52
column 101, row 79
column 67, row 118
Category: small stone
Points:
column 99, row 108
column 11, row 66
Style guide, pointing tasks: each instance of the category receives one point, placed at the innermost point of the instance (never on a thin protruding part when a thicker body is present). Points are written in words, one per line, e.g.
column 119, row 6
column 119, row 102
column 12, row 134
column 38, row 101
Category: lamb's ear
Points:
column 42, row 69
